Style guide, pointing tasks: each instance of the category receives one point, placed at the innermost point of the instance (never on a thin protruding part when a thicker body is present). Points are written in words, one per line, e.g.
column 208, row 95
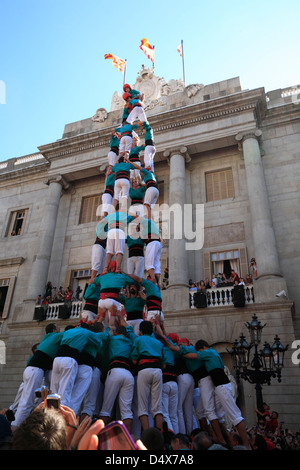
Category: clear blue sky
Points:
column 52, row 55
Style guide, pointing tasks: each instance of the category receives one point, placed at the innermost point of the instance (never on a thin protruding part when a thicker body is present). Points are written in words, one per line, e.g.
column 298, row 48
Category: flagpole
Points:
column 124, row 79
column 153, row 57
column 183, row 62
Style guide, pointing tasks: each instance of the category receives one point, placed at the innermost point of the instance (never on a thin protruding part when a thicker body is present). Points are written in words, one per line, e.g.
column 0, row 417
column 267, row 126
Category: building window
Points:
column 89, row 207
column 79, row 282
column 17, row 222
column 219, row 185
column 6, row 291
column 224, row 262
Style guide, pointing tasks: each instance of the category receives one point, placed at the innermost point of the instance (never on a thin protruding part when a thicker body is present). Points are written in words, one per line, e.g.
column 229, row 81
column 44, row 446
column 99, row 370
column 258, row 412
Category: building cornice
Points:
column 175, row 119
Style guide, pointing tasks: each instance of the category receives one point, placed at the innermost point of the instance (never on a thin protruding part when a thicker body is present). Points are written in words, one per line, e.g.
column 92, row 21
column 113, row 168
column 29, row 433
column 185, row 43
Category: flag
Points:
column 116, row 61
column 147, row 49
column 179, row 49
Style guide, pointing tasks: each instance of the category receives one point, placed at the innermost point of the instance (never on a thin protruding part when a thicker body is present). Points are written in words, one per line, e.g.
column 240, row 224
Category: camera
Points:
column 38, row 392
column 53, row 401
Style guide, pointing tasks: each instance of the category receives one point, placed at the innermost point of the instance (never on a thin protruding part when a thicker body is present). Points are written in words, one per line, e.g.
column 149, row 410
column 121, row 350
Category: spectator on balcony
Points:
column 38, row 300
column 201, row 286
column 48, row 290
column 224, row 279
column 234, row 276
column 253, row 268
column 248, row 280
column 193, row 287
column 215, row 280
column 242, row 282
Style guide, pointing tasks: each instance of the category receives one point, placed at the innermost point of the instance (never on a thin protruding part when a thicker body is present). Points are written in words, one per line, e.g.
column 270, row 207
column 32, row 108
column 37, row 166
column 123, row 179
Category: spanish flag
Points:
column 116, row 61
column 147, row 49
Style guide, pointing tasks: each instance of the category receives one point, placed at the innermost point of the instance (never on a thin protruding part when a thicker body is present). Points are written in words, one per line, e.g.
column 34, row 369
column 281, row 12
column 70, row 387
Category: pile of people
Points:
column 168, row 393
column 119, row 362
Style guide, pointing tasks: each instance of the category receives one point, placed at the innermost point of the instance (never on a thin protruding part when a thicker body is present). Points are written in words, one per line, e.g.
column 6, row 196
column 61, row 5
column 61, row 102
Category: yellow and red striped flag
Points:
column 147, row 49
column 116, row 61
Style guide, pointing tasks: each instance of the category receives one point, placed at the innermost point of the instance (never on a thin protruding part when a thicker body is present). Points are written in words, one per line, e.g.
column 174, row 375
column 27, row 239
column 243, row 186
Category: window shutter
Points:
column 243, row 262
column 89, row 209
column 11, row 285
column 219, row 185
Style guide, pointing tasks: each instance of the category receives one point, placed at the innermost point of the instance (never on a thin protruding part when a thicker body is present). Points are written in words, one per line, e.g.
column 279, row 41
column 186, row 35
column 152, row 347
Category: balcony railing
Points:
column 57, row 311
column 221, row 297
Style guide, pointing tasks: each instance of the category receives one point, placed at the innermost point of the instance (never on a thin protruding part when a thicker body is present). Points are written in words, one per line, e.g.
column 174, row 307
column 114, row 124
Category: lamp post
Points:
column 265, row 364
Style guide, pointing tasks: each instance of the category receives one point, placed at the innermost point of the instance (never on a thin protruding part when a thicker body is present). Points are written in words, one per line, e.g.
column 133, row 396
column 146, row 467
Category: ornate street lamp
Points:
column 266, row 363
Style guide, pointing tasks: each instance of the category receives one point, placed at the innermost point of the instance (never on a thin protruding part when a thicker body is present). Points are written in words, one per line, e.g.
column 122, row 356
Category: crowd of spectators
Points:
column 220, row 280
column 58, row 295
column 59, row 429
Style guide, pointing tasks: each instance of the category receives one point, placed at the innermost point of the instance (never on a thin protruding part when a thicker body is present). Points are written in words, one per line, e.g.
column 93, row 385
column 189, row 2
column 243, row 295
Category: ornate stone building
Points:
column 225, row 156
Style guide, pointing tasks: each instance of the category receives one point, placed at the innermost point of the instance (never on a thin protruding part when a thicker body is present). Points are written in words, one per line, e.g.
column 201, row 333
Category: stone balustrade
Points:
column 222, row 297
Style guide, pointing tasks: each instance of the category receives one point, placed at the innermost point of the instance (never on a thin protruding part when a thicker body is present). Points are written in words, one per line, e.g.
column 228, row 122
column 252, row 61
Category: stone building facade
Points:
column 227, row 159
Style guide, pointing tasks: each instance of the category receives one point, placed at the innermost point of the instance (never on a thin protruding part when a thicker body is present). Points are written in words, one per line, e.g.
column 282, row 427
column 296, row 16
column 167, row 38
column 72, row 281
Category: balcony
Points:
column 58, row 311
column 222, row 297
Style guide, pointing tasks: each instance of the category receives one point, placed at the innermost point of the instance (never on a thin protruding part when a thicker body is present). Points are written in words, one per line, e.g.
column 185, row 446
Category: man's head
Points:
column 133, row 290
column 201, row 344
column 126, row 88
column 126, row 97
column 43, row 429
column 121, row 330
column 146, row 327
column 180, row 441
column 51, row 328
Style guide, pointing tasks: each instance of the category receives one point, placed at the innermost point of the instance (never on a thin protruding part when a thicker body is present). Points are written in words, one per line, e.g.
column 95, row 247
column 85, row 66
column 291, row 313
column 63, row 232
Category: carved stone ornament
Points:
column 100, row 116
column 155, row 89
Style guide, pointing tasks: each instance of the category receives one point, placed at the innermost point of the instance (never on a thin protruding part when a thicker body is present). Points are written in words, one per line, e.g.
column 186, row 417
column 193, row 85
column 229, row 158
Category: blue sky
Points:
column 52, row 55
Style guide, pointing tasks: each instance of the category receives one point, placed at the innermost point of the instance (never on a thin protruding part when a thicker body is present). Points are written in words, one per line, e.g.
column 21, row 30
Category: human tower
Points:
column 127, row 178
column 155, row 375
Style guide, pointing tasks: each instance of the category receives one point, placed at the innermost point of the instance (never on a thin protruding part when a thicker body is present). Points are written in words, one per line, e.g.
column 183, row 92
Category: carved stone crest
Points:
column 100, row 116
column 155, row 89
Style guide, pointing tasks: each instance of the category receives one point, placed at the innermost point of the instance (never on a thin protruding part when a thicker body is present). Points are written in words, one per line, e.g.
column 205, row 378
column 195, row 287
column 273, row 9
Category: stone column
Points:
column 178, row 288
column 40, row 265
column 270, row 280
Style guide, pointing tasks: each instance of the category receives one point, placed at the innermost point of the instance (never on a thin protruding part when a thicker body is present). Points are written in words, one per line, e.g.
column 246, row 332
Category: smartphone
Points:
column 53, row 401
column 115, row 436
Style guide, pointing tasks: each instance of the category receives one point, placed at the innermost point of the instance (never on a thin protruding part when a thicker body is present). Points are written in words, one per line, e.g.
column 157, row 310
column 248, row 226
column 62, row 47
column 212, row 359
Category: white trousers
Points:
column 32, row 379
column 225, row 400
column 81, row 386
column 207, row 393
column 121, row 188
column 151, row 196
column 149, row 384
column 136, row 113
column 112, row 158
column 118, row 381
column 149, row 157
column 135, row 325
column 98, row 258
column 170, row 405
column 63, row 377
column 87, row 315
column 125, row 144
column 152, row 256
column 90, row 400
column 136, row 265
column 107, row 201
column 115, row 241
column 185, row 383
